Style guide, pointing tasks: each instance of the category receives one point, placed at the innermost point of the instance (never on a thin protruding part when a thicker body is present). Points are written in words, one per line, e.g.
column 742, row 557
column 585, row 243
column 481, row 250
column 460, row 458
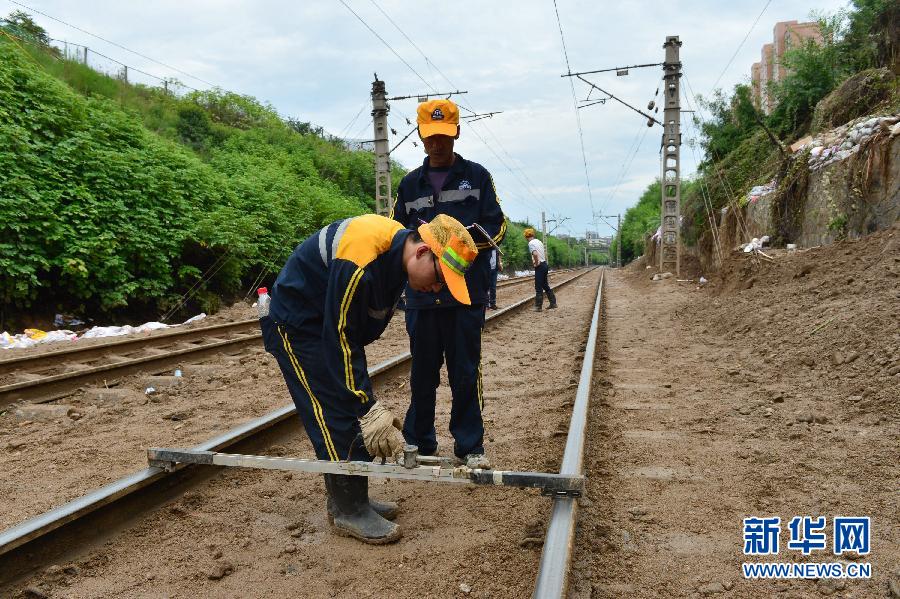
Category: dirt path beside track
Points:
column 701, row 424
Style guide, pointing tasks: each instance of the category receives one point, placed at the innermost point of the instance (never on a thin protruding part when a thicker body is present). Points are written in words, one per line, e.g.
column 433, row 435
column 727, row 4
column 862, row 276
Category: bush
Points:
column 102, row 208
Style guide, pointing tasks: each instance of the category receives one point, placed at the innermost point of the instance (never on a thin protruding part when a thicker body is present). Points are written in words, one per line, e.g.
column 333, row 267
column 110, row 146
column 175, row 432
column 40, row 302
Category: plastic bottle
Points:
column 262, row 304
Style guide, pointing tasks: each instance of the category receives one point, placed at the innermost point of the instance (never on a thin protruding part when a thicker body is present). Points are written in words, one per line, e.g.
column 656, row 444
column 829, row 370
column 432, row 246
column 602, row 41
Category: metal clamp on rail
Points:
column 413, row 467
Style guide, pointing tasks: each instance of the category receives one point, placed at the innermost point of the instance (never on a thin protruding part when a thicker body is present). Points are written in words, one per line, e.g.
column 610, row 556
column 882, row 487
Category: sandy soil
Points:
column 110, row 439
column 775, row 393
column 264, row 534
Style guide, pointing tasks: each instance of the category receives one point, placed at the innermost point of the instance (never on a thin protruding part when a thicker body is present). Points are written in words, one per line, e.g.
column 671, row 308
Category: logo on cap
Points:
column 437, row 115
column 464, row 184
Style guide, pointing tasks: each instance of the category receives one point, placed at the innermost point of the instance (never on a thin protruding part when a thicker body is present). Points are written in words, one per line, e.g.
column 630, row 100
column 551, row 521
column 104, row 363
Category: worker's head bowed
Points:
column 445, row 254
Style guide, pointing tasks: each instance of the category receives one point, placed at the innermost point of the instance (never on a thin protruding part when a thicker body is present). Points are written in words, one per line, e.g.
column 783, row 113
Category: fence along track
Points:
column 28, row 545
column 553, row 574
column 114, row 362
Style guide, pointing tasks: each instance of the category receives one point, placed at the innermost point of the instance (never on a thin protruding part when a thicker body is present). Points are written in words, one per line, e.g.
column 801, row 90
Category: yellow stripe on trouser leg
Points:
column 342, row 335
column 317, row 407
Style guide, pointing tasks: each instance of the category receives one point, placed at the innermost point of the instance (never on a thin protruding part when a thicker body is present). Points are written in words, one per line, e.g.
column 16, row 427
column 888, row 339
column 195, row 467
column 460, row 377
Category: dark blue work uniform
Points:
column 335, row 295
column 437, row 324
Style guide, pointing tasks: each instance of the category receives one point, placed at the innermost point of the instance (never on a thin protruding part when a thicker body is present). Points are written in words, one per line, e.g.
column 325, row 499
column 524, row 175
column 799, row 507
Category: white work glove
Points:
column 381, row 433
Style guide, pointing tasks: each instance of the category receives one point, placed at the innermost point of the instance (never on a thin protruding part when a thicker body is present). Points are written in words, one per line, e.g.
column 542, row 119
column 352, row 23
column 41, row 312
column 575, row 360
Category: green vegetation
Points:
column 116, row 197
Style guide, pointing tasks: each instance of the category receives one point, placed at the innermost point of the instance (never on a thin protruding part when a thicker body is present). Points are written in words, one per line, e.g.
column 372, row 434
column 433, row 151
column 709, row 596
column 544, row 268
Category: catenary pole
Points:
column 670, row 229
column 619, row 244
column 380, row 109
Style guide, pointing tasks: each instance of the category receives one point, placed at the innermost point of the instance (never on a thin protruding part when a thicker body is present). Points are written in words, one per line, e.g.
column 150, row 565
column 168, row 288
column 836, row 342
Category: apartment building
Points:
column 770, row 68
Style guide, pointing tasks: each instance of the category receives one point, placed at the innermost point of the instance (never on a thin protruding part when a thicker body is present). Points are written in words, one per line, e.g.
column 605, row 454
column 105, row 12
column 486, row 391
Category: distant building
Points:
column 770, row 68
column 594, row 240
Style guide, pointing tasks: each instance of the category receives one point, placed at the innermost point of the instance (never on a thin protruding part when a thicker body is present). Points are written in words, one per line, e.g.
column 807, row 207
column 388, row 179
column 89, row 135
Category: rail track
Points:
column 39, row 540
column 50, row 375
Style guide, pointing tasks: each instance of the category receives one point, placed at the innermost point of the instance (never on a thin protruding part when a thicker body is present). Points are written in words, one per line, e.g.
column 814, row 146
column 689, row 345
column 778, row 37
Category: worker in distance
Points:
column 335, row 295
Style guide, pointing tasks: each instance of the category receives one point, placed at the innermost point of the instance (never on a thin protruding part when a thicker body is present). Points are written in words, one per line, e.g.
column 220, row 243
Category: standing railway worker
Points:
column 335, row 295
column 439, row 325
column 541, row 271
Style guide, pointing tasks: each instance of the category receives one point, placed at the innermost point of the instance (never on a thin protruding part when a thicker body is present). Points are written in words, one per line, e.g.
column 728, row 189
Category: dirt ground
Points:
column 110, row 439
column 264, row 534
column 775, row 392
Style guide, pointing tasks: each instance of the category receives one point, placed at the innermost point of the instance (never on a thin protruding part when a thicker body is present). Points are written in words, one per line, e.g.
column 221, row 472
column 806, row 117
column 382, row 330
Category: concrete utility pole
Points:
column 619, row 244
column 670, row 242
column 544, row 230
column 380, row 109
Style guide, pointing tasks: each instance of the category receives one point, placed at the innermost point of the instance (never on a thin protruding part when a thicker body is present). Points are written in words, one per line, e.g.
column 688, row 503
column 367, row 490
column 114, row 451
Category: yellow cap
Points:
column 455, row 249
column 438, row 117
column 528, row 233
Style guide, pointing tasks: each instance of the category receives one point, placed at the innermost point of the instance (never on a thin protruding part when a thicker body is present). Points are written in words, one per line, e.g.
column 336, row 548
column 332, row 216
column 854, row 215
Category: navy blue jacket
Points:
column 341, row 285
column 469, row 196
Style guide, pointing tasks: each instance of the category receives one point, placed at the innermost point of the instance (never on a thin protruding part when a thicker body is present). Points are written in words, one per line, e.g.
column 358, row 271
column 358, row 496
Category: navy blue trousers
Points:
column 541, row 282
column 453, row 332
column 331, row 422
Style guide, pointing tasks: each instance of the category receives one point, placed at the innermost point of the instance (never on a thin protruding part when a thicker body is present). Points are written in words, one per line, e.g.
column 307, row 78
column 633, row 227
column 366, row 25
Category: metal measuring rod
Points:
column 412, row 467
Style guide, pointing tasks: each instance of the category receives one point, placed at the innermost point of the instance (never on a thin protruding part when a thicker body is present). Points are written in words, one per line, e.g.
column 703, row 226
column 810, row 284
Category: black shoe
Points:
column 354, row 515
column 551, row 307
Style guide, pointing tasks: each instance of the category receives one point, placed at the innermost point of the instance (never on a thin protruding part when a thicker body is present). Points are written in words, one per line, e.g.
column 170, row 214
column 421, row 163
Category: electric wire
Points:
column 144, row 56
column 741, row 45
column 346, row 129
column 726, row 186
column 389, row 47
column 707, row 202
column 575, row 106
column 629, row 159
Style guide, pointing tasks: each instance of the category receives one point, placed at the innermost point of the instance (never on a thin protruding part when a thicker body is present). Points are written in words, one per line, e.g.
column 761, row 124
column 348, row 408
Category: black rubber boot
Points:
column 385, row 509
column 538, row 301
column 552, row 297
column 354, row 515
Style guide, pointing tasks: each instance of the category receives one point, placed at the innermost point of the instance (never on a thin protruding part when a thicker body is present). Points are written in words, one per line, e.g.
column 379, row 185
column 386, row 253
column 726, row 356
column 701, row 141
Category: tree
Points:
column 22, row 25
column 731, row 121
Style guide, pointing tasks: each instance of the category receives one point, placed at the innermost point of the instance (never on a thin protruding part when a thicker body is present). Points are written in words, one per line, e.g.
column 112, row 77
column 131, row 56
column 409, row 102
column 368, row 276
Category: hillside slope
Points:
column 119, row 199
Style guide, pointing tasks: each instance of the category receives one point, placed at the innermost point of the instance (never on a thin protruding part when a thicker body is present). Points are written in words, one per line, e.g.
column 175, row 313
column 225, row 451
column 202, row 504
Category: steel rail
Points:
column 40, row 526
column 119, row 345
column 553, row 573
column 48, row 388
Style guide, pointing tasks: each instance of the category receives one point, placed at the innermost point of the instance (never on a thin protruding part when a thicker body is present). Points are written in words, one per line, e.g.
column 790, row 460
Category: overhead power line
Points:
column 741, row 45
column 587, row 177
column 117, row 45
column 389, row 47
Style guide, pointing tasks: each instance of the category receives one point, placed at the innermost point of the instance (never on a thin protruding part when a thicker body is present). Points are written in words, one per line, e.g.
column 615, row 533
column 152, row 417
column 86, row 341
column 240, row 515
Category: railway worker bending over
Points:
column 439, row 324
column 335, row 295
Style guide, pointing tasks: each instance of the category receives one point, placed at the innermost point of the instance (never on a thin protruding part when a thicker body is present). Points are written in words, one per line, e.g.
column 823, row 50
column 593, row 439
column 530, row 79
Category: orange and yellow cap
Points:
column 438, row 117
column 453, row 245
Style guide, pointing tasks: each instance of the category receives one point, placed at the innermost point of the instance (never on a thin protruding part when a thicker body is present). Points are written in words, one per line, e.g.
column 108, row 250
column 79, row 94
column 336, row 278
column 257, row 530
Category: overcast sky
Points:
column 315, row 60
